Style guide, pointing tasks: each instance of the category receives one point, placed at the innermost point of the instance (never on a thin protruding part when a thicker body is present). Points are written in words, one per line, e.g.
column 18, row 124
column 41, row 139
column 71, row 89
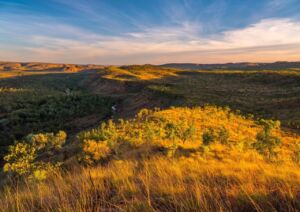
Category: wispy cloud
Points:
column 271, row 37
column 180, row 39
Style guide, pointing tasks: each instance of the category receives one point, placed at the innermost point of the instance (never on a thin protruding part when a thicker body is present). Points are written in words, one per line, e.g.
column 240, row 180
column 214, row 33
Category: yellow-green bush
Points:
column 266, row 142
column 47, row 141
column 95, row 151
column 25, row 157
column 20, row 158
column 210, row 131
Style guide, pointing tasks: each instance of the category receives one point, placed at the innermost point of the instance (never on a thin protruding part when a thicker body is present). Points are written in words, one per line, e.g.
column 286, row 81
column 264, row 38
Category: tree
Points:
column 266, row 142
column 171, row 133
column 208, row 137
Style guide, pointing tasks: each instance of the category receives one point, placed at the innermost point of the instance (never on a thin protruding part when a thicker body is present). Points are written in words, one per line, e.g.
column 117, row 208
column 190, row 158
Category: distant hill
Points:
column 44, row 67
column 56, row 67
column 239, row 66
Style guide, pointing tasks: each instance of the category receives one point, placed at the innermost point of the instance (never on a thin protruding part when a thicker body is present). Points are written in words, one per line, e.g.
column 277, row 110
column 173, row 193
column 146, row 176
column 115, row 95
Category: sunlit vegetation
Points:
column 9, row 69
column 24, row 158
column 135, row 73
column 270, row 94
column 267, row 94
column 63, row 153
column 204, row 159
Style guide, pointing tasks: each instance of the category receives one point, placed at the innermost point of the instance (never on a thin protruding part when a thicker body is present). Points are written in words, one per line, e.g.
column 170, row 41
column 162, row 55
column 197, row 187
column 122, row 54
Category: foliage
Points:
column 212, row 135
column 20, row 158
column 128, row 168
column 266, row 142
column 166, row 91
column 214, row 166
column 208, row 137
column 145, row 129
column 178, row 130
column 51, row 113
column 95, row 151
column 23, row 158
column 224, row 135
column 42, row 101
column 47, row 141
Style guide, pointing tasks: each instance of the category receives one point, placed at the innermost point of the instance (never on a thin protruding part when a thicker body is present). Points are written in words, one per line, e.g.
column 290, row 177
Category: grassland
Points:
column 150, row 163
column 189, row 157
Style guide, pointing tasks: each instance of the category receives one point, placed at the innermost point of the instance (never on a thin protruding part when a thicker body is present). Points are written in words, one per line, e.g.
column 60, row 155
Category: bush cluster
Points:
column 25, row 158
column 144, row 130
column 266, row 141
column 205, row 131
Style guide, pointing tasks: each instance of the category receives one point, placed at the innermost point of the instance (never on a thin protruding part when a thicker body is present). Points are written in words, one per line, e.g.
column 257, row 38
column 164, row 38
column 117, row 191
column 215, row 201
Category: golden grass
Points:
column 163, row 184
column 226, row 178
column 122, row 74
column 230, row 177
column 30, row 73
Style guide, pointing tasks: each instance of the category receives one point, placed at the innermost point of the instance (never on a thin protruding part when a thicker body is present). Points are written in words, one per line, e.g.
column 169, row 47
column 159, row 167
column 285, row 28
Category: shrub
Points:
column 48, row 141
column 188, row 133
column 223, row 135
column 208, row 137
column 172, row 134
column 95, row 151
column 104, row 133
column 266, row 142
column 22, row 158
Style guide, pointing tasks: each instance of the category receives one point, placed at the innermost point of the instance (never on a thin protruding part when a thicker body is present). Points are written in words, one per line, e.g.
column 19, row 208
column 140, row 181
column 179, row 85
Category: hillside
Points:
column 176, row 159
column 13, row 69
column 268, row 94
column 28, row 100
column 94, row 139
column 236, row 66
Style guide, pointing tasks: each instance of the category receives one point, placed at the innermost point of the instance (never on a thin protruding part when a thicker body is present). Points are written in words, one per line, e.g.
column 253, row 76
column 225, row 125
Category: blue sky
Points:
column 149, row 31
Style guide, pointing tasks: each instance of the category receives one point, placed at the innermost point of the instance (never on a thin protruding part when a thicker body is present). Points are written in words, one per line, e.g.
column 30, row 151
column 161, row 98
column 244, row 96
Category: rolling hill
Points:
column 90, row 138
column 236, row 66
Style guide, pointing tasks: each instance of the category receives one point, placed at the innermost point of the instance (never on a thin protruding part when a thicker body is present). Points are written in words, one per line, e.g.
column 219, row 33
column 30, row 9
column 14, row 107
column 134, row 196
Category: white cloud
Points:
column 267, row 40
column 264, row 33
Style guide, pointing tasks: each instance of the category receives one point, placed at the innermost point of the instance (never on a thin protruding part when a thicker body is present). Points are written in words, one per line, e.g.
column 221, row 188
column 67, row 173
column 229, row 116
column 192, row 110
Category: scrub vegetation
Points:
column 222, row 140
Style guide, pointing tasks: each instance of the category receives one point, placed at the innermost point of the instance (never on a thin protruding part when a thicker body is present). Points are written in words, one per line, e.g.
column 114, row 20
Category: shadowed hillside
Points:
column 237, row 66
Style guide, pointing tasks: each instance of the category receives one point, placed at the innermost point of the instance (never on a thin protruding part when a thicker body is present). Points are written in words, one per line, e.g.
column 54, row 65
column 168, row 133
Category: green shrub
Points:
column 34, row 111
column 223, row 135
column 208, row 137
column 22, row 158
column 212, row 135
column 265, row 141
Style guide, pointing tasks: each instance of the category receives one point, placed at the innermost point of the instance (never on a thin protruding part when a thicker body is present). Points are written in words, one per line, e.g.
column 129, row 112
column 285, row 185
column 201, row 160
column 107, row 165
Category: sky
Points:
column 119, row 32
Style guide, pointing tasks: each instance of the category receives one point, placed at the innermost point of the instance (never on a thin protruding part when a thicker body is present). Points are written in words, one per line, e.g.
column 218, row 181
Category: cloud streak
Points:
column 266, row 40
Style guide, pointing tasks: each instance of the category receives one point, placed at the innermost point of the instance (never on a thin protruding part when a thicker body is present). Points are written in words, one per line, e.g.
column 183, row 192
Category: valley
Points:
column 128, row 128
